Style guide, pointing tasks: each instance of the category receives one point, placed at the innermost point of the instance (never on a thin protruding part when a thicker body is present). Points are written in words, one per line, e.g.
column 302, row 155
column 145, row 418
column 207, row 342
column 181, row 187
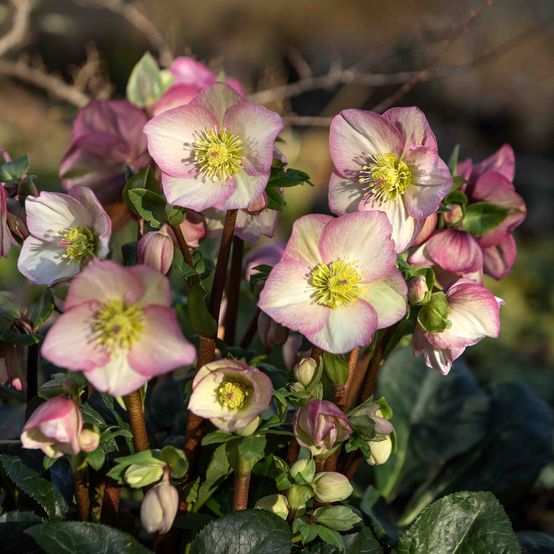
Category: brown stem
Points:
column 341, row 392
column 133, row 403
column 110, row 502
column 250, row 332
column 233, row 291
column 32, row 377
column 350, row 464
column 373, row 368
column 240, row 492
column 183, row 246
column 293, row 450
column 81, row 493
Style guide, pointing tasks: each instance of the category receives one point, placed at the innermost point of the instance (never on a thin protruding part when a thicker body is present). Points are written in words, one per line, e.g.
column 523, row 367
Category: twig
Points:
column 182, row 242
column 133, row 403
column 20, row 25
column 341, row 391
column 233, row 291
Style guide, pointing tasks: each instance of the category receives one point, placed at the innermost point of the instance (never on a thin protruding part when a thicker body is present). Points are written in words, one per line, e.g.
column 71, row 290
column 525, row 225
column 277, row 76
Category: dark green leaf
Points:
column 275, row 200
column 288, row 178
column 14, row 171
column 483, row 217
column 455, row 197
column 42, row 309
column 216, row 437
column 453, row 160
column 202, row 321
column 332, row 537
column 148, row 205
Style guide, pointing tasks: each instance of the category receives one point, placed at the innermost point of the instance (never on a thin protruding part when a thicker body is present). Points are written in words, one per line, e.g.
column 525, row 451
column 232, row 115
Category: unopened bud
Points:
column 88, row 440
column 417, row 290
column 271, row 333
column 159, row 508
column 276, row 503
column 380, row 451
column 156, row 250
column 330, row 486
column 303, row 471
column 454, row 215
column 305, row 371
column 138, row 476
column 433, row 317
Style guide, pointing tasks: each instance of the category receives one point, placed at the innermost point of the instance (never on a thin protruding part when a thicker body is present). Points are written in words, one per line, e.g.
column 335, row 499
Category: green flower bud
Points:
column 380, row 451
column 418, row 291
column 433, row 317
column 138, row 476
column 330, row 486
column 303, row 471
column 298, row 495
column 305, row 370
column 276, row 503
column 454, row 215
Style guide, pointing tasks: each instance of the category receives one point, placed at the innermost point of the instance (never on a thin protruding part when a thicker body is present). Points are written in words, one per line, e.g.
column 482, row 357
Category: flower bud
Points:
column 249, row 429
column 194, row 228
column 159, row 508
column 298, row 495
column 155, row 249
column 303, row 471
column 305, row 371
column 138, row 476
column 454, row 215
column 271, row 333
column 330, row 486
column 276, row 503
column 380, row 451
column 433, row 317
column 417, row 290
column 88, row 440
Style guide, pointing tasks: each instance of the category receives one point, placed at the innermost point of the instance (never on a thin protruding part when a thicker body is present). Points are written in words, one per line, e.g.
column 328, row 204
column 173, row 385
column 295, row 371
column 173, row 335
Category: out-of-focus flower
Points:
column 271, row 333
column 189, row 78
column 319, row 425
column 380, row 451
column 13, row 365
column 54, row 427
column 268, row 254
column 230, row 393
column 118, row 328
column 159, row 508
column 503, row 161
column 88, row 440
column 106, row 138
column 472, row 313
column 275, row 503
column 155, row 249
column 389, row 163
column 330, row 486
column 215, row 152
column 335, row 271
column 66, row 231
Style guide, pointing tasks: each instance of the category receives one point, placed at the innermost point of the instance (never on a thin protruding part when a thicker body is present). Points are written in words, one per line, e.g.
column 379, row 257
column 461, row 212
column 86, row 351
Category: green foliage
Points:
column 147, row 82
column 482, row 217
column 15, row 170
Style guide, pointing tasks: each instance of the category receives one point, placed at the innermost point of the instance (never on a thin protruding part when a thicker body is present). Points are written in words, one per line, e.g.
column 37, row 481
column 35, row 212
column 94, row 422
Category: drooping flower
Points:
column 389, row 163
column 472, row 313
column 335, row 271
column 230, row 393
column 155, row 249
column 118, row 328
column 319, row 425
column 66, row 231
column 106, row 138
column 215, row 152
column 159, row 508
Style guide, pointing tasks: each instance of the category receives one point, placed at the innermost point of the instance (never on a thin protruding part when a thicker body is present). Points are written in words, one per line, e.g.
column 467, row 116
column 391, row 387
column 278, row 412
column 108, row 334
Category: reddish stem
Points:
column 240, row 492
column 133, row 403
column 233, row 292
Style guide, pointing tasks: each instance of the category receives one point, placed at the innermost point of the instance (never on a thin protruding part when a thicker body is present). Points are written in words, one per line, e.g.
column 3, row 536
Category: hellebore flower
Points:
column 159, row 508
column 389, row 163
column 66, row 231
column 155, row 249
column 118, row 328
column 380, row 451
column 107, row 136
column 54, row 427
column 271, row 334
column 466, row 314
column 230, row 393
column 88, row 440
column 319, row 425
column 335, row 271
column 215, row 152
column 305, row 371
column 330, row 486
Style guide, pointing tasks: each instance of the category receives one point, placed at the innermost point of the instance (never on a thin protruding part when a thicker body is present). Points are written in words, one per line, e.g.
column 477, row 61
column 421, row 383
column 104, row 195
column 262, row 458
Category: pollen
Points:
column 336, row 284
column 79, row 244
column 117, row 326
column 218, row 154
column 386, row 176
column 232, row 395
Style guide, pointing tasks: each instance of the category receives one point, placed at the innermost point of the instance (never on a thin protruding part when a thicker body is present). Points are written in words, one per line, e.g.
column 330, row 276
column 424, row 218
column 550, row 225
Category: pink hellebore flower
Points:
column 473, row 313
column 155, row 249
column 54, row 427
column 118, row 328
column 66, row 231
column 336, row 271
column 319, row 425
column 230, row 393
column 215, row 152
column 107, row 136
column 189, row 78
column 389, row 163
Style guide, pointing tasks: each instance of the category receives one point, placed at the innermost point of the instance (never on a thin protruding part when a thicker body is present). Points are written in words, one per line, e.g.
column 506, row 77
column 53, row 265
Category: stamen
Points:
column 218, row 154
column 386, row 177
column 232, row 395
column 79, row 244
column 335, row 284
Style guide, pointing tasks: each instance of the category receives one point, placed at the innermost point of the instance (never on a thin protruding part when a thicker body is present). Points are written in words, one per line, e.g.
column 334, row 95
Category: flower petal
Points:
column 344, row 194
column 387, row 298
column 498, row 260
column 117, row 377
column 245, row 189
column 456, row 251
column 303, row 244
column 217, row 99
column 502, row 161
column 413, row 125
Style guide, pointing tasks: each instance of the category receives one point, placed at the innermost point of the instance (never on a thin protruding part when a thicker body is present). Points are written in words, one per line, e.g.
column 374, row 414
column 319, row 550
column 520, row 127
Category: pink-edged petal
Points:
column 456, row 251
column 217, row 99
column 204, row 401
column 362, row 238
column 387, row 298
column 177, row 95
column 104, row 281
column 286, row 297
column 157, row 289
column 68, row 343
column 171, row 136
column 498, row 260
column 427, row 230
column 162, row 346
column 357, row 135
column 216, row 365
column 190, row 71
column 465, row 169
column 502, row 161
column 339, row 335
column 344, row 194
column 413, row 125
column 435, row 358
column 303, row 244
column 117, row 377
column 196, row 193
column 251, row 227
column 246, row 188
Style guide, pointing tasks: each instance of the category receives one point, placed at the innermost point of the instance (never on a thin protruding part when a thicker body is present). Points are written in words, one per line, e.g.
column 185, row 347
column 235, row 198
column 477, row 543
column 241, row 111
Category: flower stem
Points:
column 110, row 502
column 183, row 246
column 341, row 392
column 250, row 330
column 242, row 486
column 81, row 492
column 32, row 377
column 133, row 403
column 233, row 291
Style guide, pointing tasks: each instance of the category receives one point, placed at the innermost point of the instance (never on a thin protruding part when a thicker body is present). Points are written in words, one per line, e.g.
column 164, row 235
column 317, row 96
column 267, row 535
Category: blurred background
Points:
column 482, row 72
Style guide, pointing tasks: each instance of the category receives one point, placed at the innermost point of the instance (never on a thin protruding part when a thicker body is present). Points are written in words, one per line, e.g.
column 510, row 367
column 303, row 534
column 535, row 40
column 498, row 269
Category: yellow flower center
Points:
column 79, row 244
column 232, row 395
column 387, row 177
column 335, row 284
column 117, row 326
column 218, row 154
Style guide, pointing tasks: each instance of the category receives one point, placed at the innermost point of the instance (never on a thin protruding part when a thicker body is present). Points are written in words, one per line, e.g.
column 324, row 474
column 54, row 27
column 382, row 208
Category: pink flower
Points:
column 107, row 136
column 335, row 271
column 473, row 313
column 215, row 152
column 54, row 427
column 388, row 163
column 66, row 231
column 194, row 228
column 502, row 161
column 190, row 77
column 319, row 425
column 118, row 328
column 155, row 249
column 230, row 393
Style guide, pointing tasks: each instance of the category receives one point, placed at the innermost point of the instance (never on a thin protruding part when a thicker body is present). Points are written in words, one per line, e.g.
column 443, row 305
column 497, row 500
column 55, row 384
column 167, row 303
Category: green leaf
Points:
column 461, row 523
column 332, row 537
column 14, row 171
column 96, row 459
column 455, row 197
column 453, row 160
column 144, row 179
column 73, row 537
column 148, row 205
column 146, row 83
column 43, row 309
column 275, row 200
column 217, row 471
column 202, row 321
column 482, row 217
column 32, row 484
column 176, row 460
column 288, row 178
column 251, row 449
column 217, row 437
column 246, row 532
column 339, row 518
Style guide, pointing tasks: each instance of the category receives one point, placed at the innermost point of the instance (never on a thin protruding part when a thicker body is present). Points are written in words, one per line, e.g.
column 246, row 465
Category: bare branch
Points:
column 20, row 25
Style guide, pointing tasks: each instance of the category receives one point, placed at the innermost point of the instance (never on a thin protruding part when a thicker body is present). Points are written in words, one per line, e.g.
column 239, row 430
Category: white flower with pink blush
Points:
column 216, row 151
column 66, row 231
column 337, row 282
column 389, row 163
column 472, row 313
column 118, row 328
